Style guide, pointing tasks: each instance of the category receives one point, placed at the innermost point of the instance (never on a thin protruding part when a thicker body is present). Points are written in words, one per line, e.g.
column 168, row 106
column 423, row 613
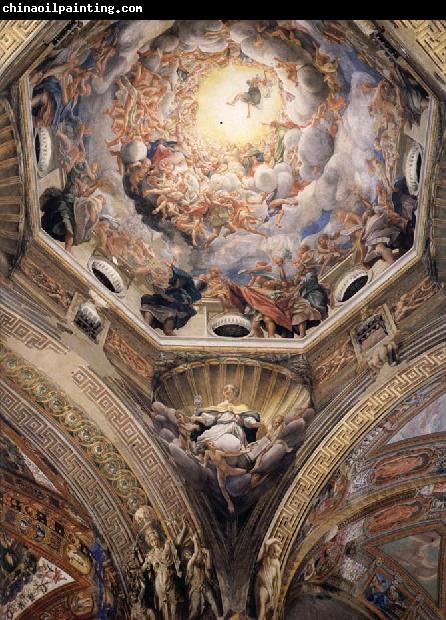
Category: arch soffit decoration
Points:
column 354, row 521
column 81, row 477
column 359, row 502
column 364, row 505
column 139, row 456
column 28, row 504
column 49, row 521
column 336, row 446
column 163, row 497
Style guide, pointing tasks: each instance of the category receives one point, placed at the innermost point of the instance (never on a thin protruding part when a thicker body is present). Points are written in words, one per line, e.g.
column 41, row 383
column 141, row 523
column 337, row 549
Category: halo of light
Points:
column 228, row 124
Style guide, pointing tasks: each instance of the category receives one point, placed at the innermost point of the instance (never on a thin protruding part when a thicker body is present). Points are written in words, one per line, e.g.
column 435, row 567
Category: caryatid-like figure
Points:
column 198, row 577
column 268, row 579
column 163, row 561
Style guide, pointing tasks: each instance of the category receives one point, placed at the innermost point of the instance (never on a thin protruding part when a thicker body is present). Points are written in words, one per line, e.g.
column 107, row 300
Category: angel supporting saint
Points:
column 218, row 457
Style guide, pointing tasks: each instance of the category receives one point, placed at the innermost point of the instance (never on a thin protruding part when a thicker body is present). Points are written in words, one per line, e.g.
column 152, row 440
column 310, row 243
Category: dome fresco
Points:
column 222, row 319
column 241, row 161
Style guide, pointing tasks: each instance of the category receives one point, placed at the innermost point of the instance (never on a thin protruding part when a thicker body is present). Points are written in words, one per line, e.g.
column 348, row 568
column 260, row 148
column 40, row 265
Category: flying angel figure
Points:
column 253, row 96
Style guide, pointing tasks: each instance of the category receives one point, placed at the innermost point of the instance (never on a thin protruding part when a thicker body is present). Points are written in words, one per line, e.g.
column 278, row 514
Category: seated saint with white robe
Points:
column 228, row 418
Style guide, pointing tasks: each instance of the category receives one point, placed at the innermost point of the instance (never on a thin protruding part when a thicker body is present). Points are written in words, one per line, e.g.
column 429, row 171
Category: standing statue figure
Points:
column 163, row 562
column 160, row 568
column 139, row 589
column 138, row 612
column 198, row 578
column 268, row 579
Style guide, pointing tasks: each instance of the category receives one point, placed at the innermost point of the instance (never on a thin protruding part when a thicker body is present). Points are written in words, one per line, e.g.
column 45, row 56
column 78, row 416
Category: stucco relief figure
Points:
column 160, row 569
column 162, row 560
column 414, row 298
column 384, row 354
column 185, row 429
column 139, row 613
column 198, row 579
column 141, row 589
column 268, row 579
column 223, row 469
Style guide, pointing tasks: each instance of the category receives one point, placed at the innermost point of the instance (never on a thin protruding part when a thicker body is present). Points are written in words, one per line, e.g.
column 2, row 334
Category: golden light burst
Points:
column 224, row 124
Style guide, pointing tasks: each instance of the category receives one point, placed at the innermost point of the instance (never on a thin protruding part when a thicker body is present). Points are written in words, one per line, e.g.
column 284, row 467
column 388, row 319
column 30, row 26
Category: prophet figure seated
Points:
column 171, row 308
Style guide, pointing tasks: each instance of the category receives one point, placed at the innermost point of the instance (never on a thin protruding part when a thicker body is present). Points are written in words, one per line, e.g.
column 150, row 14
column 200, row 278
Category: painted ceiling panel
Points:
column 234, row 161
column 419, row 555
column 25, row 577
column 430, row 420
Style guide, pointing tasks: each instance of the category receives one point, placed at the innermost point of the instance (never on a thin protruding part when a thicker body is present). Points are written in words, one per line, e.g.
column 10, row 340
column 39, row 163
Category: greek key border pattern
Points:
column 160, row 483
column 355, row 425
column 15, row 34
column 16, row 327
column 430, row 35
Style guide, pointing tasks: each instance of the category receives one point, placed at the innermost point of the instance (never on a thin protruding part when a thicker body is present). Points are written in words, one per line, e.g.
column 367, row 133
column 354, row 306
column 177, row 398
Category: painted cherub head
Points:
column 231, row 392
